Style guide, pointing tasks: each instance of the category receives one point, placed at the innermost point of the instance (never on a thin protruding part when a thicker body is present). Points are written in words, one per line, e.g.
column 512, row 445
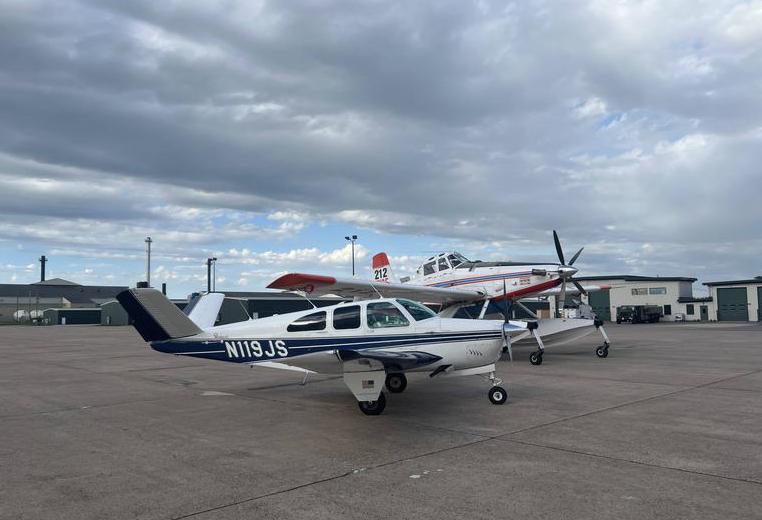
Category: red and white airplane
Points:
column 465, row 288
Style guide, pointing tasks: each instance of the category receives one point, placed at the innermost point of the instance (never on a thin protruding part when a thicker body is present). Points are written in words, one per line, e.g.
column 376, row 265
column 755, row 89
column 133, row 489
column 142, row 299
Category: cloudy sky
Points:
column 263, row 132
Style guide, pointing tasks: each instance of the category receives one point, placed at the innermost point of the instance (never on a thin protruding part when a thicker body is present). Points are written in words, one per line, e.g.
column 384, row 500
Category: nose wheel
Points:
column 602, row 351
column 373, row 407
column 536, row 357
column 497, row 395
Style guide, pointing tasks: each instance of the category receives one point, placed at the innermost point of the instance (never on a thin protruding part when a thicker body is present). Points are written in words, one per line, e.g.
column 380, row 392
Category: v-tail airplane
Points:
column 369, row 343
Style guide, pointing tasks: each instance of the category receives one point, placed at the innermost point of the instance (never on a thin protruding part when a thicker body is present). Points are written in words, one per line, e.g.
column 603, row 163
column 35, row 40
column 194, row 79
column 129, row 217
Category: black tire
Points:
column 535, row 357
column 497, row 395
column 373, row 407
column 396, row 383
column 618, row 321
column 602, row 351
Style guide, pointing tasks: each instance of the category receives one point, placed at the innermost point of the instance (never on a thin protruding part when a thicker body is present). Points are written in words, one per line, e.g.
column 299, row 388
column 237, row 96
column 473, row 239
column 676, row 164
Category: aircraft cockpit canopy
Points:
column 441, row 262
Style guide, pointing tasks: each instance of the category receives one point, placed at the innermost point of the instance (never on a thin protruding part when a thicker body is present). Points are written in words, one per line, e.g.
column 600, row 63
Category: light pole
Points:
column 352, row 241
column 148, row 261
column 209, row 263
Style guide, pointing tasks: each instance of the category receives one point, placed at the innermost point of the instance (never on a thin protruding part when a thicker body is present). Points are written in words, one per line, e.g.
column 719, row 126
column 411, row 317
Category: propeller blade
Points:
column 576, row 255
column 579, row 287
column 505, row 302
column 558, row 248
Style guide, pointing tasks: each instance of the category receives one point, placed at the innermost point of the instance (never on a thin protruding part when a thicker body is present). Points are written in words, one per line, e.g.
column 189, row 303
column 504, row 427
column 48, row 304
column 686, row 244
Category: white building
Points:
column 737, row 300
column 674, row 294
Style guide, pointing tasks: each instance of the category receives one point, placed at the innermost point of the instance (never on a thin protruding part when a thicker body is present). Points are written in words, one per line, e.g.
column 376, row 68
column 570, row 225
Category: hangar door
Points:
column 732, row 304
column 600, row 301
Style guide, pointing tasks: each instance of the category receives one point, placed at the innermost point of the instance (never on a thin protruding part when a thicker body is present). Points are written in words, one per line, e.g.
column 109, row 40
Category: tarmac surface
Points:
column 94, row 424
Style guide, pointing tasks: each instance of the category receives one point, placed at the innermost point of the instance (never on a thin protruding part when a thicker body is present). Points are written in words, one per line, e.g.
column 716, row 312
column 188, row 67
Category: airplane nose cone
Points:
column 566, row 271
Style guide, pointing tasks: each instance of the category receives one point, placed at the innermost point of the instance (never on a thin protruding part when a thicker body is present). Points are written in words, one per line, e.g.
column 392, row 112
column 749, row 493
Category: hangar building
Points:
column 674, row 294
column 25, row 301
column 737, row 300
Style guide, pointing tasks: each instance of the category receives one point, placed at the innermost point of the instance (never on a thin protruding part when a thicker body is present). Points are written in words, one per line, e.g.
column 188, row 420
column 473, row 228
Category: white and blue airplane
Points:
column 370, row 343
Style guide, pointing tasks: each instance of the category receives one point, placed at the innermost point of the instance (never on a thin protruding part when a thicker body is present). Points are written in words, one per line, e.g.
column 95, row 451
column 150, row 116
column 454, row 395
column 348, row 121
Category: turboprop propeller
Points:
column 566, row 271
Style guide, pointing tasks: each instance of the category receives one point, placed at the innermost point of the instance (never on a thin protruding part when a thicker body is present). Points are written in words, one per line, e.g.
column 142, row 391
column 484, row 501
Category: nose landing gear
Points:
column 497, row 394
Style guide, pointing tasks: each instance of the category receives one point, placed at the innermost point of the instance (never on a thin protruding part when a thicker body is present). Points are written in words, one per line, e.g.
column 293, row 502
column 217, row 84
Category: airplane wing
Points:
column 354, row 288
column 392, row 361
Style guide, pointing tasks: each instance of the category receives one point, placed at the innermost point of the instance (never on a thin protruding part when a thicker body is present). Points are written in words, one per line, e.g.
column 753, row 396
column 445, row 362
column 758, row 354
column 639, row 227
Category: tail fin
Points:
column 155, row 317
column 203, row 310
column 382, row 269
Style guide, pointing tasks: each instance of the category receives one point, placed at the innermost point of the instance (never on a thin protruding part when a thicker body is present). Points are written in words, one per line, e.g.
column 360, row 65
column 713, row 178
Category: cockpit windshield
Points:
column 456, row 259
column 417, row 311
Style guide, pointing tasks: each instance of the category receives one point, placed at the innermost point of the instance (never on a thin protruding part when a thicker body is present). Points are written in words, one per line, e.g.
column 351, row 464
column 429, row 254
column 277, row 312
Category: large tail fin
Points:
column 155, row 317
column 382, row 269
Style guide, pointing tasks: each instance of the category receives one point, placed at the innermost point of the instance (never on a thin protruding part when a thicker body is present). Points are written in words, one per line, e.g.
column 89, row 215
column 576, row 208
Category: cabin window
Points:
column 428, row 269
column 346, row 317
column 443, row 265
column 454, row 260
column 385, row 314
column 314, row 321
column 417, row 311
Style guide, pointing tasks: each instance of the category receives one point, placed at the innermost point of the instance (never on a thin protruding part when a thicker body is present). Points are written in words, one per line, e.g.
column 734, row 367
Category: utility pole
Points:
column 352, row 239
column 209, row 262
column 148, row 261
column 43, row 261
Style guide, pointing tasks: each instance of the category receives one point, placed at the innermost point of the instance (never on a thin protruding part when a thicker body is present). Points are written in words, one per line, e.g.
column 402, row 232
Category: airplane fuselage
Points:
column 461, row 343
column 520, row 280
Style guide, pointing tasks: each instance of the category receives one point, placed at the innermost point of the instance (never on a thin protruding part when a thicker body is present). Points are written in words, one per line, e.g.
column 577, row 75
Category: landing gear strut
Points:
column 373, row 407
column 603, row 350
column 396, row 383
column 497, row 394
column 536, row 357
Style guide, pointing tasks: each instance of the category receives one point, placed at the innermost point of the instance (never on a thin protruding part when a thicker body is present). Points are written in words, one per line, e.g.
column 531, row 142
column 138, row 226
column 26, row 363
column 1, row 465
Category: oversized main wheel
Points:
column 497, row 395
column 396, row 383
column 602, row 351
column 536, row 357
column 373, row 407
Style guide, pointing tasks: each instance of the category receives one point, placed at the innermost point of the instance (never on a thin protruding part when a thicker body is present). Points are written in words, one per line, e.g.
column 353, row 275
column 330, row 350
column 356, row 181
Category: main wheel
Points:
column 602, row 351
column 396, row 383
column 373, row 407
column 497, row 395
column 536, row 357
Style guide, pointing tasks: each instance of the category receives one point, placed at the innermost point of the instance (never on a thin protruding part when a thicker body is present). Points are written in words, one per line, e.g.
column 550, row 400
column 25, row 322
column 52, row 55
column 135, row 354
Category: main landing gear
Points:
column 497, row 394
column 536, row 357
column 603, row 350
column 373, row 407
column 396, row 383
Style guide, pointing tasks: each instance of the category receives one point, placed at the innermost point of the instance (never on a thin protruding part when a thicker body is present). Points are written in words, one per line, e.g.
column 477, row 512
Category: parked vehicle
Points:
column 638, row 314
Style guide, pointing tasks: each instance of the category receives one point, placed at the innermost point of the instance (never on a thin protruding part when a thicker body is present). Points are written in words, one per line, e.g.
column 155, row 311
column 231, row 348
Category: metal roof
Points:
column 73, row 293
column 755, row 280
column 636, row 278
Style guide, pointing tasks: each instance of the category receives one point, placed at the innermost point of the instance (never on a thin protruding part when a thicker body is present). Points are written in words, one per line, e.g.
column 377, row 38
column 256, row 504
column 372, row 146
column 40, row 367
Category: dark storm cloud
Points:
column 627, row 123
